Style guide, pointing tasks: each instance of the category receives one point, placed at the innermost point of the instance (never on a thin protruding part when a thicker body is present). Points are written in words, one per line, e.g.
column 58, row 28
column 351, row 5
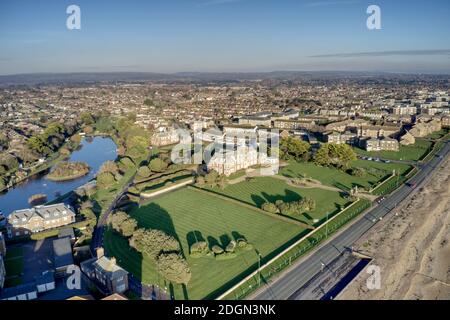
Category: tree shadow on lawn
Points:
column 194, row 237
column 288, row 196
column 161, row 221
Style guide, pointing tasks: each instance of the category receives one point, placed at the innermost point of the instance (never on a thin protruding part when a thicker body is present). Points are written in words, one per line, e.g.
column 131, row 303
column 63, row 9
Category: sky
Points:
column 224, row 36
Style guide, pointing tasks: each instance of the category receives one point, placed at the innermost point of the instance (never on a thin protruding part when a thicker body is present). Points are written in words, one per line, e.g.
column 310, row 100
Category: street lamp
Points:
column 259, row 268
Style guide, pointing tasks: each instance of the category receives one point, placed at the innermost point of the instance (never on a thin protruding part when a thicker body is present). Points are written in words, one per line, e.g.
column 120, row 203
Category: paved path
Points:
column 285, row 286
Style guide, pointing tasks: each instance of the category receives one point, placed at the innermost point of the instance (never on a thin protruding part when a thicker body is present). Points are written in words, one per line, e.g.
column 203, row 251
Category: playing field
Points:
column 411, row 153
column 375, row 171
column 266, row 189
column 183, row 212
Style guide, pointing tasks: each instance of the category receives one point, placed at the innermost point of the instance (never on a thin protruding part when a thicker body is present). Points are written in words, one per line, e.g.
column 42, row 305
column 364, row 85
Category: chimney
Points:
column 100, row 252
column 113, row 261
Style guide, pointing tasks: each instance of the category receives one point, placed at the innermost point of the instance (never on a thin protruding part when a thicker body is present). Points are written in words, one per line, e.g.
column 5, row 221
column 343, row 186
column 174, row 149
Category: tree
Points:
column 144, row 172
column 87, row 118
column 338, row 155
column 294, row 148
column 111, row 167
column 128, row 227
column 122, row 223
column 153, row 242
column 105, row 180
column 157, row 165
column 174, row 268
column 211, row 178
column 269, row 207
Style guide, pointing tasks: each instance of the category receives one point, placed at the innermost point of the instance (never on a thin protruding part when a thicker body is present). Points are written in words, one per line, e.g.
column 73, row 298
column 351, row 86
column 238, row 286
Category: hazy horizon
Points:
column 220, row 36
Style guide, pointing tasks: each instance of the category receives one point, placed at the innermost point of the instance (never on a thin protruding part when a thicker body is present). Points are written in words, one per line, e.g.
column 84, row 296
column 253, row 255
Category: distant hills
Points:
column 201, row 77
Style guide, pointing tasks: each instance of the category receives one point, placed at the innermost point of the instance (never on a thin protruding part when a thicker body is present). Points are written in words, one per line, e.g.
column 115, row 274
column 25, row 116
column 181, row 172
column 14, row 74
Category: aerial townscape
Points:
column 128, row 176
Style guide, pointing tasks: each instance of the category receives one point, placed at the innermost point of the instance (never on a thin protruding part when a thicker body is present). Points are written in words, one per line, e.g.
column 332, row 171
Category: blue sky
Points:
column 224, row 35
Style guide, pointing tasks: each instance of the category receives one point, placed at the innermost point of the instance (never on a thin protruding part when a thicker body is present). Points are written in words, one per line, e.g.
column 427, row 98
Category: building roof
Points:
column 115, row 296
column 66, row 232
column 18, row 290
column 23, row 216
column 83, row 298
column 62, row 252
column 109, row 267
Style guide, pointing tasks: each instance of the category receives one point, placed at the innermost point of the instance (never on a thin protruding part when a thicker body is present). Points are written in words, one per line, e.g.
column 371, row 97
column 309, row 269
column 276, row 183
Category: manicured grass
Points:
column 14, row 266
column 375, row 171
column 438, row 134
column 182, row 212
column 413, row 152
column 266, row 189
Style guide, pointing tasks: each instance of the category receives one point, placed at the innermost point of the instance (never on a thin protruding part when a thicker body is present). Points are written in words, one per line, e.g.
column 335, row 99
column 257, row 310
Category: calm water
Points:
column 93, row 151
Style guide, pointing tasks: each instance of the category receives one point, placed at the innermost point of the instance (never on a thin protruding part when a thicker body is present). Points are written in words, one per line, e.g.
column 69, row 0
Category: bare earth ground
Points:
column 411, row 248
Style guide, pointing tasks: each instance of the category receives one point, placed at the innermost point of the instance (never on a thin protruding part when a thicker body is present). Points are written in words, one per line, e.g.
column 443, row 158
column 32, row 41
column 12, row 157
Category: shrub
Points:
column 217, row 249
column 243, row 244
column 231, row 246
column 144, row 172
column 199, row 249
column 225, row 256
column 269, row 207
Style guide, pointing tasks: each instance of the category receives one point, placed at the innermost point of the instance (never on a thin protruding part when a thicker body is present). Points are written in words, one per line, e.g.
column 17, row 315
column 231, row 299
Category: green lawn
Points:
column 266, row 189
column 14, row 266
column 375, row 171
column 411, row 153
column 188, row 213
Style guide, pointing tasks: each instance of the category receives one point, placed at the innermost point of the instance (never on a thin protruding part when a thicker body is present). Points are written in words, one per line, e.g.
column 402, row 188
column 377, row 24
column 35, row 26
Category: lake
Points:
column 94, row 151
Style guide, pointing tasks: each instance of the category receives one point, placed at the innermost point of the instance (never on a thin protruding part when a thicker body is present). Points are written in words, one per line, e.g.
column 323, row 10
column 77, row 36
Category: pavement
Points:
column 288, row 283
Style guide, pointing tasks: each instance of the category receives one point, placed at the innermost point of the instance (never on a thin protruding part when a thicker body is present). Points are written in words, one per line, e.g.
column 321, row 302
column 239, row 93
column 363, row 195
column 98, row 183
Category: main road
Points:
column 287, row 285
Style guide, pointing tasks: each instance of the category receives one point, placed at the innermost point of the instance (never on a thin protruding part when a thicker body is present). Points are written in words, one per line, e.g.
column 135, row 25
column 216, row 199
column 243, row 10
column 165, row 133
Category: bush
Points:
column 269, row 207
column 225, row 256
column 144, row 172
column 357, row 172
column 231, row 246
column 199, row 249
column 242, row 244
column 217, row 249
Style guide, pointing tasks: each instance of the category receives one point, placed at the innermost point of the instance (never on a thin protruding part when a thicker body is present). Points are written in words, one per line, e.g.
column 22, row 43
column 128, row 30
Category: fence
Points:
column 287, row 257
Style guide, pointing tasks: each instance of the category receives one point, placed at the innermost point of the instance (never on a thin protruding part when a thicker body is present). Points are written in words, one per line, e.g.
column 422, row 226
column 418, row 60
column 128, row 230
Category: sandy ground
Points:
column 411, row 248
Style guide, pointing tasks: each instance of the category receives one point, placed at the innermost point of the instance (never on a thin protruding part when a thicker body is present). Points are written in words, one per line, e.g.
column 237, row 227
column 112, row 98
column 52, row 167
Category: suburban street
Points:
column 288, row 284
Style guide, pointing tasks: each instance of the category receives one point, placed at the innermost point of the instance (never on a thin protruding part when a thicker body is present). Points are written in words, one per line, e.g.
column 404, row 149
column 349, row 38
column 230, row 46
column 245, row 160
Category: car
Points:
column 377, row 159
column 380, row 199
column 369, row 158
column 387, row 161
column 412, row 185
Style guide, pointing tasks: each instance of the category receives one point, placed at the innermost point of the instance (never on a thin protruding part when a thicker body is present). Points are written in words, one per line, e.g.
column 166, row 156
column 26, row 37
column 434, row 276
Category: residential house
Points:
column 165, row 137
column 106, row 274
column 255, row 121
column 446, row 122
column 375, row 144
column 294, row 124
column 341, row 138
column 404, row 110
column 378, row 131
column 40, row 218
